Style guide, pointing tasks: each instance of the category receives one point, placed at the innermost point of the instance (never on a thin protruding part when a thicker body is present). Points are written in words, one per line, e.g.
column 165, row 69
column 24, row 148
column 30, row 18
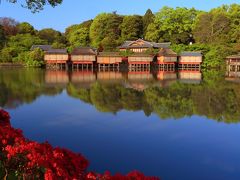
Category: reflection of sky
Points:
column 188, row 148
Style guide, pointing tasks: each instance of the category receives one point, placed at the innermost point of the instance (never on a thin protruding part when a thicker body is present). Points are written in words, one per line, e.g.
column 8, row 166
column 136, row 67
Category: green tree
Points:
column 148, row 18
column 234, row 16
column 25, row 28
column 132, row 28
column 37, row 5
column 79, row 37
column 23, row 42
column 173, row 25
column 212, row 27
column 51, row 36
column 71, row 29
column 105, row 25
column 7, row 54
column 2, row 37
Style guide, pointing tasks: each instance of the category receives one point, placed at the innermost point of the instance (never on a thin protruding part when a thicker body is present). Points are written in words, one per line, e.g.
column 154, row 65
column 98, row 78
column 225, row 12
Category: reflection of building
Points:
column 192, row 77
column 165, row 78
column 84, row 57
column 166, row 75
column 139, row 80
column 190, row 60
column 140, row 46
column 83, row 78
column 109, row 60
column 233, row 65
column 56, row 77
column 110, row 75
column 57, row 57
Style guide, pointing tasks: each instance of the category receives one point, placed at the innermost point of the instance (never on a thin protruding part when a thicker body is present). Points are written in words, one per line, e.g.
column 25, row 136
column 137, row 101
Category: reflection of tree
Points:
column 18, row 86
column 80, row 93
column 215, row 99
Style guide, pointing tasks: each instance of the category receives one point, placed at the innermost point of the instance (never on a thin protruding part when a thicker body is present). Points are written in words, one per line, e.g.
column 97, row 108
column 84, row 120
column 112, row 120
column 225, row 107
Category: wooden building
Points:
column 109, row 60
column 233, row 65
column 139, row 61
column 166, row 59
column 140, row 46
column 83, row 57
column 190, row 60
column 44, row 48
column 56, row 57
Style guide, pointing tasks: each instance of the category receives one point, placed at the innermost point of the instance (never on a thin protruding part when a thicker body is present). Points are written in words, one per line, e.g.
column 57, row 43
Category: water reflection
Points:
column 168, row 94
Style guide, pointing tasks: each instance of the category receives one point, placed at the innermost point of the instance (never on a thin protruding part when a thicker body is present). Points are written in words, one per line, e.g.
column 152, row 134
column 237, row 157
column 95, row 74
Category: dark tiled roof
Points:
column 145, row 44
column 84, row 51
column 42, row 47
column 166, row 52
column 57, row 51
column 161, row 45
column 191, row 53
column 115, row 54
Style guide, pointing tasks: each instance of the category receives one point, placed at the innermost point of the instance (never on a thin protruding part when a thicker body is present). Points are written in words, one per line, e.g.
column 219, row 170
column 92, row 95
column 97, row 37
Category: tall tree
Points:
column 173, row 25
column 80, row 37
column 75, row 27
column 148, row 18
column 24, row 28
column 51, row 36
column 9, row 26
column 37, row 5
column 234, row 15
column 2, row 37
column 212, row 27
column 132, row 27
column 105, row 25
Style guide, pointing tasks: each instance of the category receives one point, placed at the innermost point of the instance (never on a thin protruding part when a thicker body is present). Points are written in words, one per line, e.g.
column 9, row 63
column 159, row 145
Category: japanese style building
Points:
column 109, row 60
column 140, row 61
column 166, row 59
column 83, row 57
column 233, row 65
column 190, row 60
column 57, row 57
column 140, row 46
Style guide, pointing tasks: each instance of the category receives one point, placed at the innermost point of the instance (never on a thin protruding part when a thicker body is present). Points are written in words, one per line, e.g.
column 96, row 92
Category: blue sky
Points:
column 75, row 11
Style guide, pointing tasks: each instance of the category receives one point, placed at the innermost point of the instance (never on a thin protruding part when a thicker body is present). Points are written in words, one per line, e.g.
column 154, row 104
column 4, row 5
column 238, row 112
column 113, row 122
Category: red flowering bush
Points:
column 20, row 157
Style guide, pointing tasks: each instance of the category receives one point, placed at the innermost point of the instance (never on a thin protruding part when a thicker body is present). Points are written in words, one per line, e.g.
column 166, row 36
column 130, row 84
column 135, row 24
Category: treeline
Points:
column 216, row 33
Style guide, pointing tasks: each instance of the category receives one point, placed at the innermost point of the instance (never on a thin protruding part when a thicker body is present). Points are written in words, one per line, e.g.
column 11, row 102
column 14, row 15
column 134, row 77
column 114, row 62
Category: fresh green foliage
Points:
column 173, row 25
column 79, row 37
column 2, row 37
column 147, row 19
column 51, row 36
column 33, row 58
column 37, row 5
column 132, row 28
column 25, row 28
column 105, row 26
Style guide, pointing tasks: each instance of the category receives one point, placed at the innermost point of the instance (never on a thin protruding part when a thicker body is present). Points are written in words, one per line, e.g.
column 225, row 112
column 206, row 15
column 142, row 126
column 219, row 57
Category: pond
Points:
column 175, row 125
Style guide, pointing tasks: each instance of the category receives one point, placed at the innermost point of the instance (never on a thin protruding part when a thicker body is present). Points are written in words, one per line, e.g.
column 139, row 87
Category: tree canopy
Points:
column 37, row 5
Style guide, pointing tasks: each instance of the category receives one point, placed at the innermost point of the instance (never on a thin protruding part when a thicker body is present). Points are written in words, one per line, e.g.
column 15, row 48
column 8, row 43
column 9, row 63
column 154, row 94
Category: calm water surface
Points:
column 172, row 125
